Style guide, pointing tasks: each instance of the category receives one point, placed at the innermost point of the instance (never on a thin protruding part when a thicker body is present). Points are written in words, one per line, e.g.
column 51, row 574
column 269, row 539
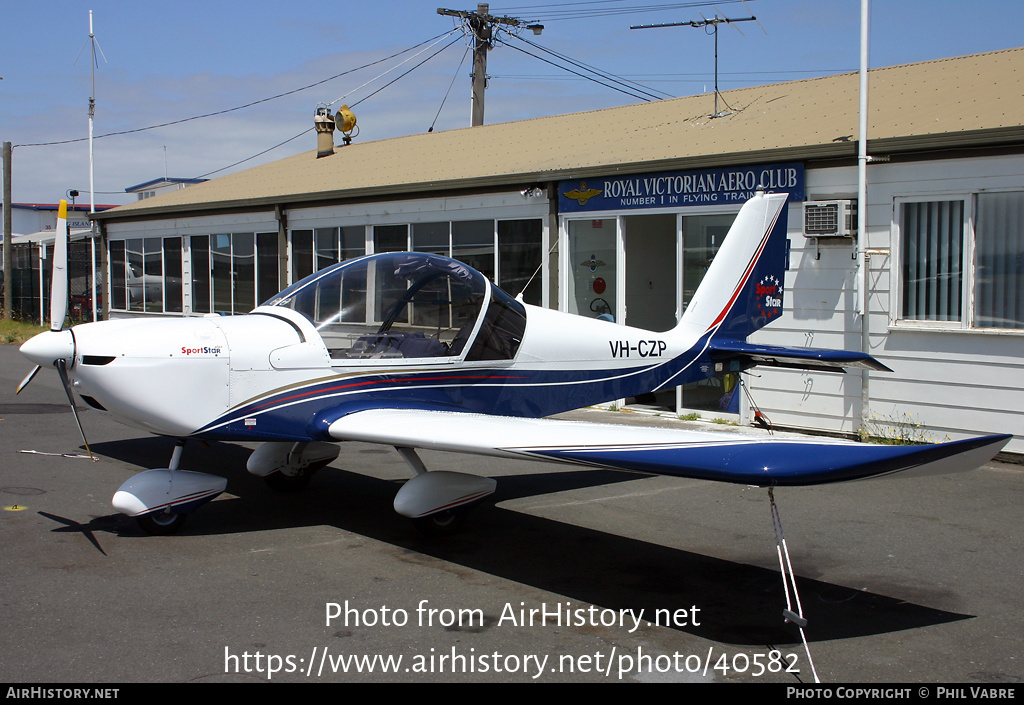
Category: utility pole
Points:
column 482, row 25
column 705, row 23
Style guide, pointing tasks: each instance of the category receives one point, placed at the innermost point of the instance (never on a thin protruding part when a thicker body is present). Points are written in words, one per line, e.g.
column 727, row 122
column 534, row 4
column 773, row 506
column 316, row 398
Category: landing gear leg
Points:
column 166, row 522
column 287, row 466
column 796, row 616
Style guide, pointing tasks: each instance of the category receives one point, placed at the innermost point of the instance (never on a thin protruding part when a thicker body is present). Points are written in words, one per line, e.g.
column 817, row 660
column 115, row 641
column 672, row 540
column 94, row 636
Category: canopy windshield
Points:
column 395, row 305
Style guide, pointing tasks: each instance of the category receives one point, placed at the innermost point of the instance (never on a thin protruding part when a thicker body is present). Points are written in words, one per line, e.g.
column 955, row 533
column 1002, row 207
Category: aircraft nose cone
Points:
column 49, row 346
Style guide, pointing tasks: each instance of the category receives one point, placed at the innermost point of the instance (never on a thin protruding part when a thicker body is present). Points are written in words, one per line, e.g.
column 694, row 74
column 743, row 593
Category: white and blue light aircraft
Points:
column 418, row 351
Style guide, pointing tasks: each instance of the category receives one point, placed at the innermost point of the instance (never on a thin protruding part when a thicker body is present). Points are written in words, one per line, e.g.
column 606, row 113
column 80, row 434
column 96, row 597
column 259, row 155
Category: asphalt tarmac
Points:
column 563, row 575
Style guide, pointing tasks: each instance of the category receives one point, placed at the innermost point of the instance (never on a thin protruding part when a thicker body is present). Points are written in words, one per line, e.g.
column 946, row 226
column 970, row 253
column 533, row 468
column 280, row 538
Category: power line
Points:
column 439, row 39
column 457, row 70
column 548, row 13
column 290, row 139
column 236, row 108
column 582, row 75
column 610, row 77
column 678, row 77
column 258, row 154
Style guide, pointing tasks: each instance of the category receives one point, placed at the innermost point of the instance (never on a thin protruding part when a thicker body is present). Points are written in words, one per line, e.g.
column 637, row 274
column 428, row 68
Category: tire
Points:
column 280, row 482
column 161, row 523
column 441, row 524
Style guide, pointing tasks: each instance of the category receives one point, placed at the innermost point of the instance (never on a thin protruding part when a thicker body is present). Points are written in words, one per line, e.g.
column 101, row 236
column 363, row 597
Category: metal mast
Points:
column 92, row 112
column 93, row 46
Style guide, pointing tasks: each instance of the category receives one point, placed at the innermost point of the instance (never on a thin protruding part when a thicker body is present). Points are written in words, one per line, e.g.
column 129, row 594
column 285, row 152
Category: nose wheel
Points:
column 161, row 523
column 447, row 523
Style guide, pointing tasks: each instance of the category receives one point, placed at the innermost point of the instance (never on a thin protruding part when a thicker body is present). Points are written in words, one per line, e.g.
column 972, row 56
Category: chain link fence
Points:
column 30, row 283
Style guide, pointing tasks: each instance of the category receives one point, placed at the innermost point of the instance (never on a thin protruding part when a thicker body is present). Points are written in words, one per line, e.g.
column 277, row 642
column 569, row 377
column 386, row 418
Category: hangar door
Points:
column 642, row 270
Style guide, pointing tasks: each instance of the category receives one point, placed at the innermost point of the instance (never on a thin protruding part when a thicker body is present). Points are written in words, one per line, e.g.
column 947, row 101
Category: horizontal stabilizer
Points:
column 799, row 358
column 707, row 455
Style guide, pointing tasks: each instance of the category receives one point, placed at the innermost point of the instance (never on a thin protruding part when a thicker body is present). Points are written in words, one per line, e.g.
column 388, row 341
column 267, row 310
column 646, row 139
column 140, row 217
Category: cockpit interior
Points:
column 403, row 305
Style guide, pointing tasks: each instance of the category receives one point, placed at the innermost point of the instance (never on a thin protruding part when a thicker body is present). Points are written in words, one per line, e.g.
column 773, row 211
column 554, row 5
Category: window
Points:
column 143, row 277
column 962, row 261
column 932, row 257
column 390, row 238
column 172, row 275
column 402, row 305
column 520, row 251
column 200, row 245
column 268, row 266
column 473, row 243
column 999, row 261
column 515, row 261
column 220, row 253
column 118, row 286
column 233, row 272
column 431, row 237
column 302, row 254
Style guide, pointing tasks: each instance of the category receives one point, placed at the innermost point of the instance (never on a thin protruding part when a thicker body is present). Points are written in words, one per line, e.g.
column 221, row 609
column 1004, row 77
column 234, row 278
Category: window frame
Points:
column 900, row 317
column 969, row 265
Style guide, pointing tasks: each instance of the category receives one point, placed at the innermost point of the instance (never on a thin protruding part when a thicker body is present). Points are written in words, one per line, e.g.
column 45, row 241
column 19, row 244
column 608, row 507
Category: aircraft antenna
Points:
column 710, row 26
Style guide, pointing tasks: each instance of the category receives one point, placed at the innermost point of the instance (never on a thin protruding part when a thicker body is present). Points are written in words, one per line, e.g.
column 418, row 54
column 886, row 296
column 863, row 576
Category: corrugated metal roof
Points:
column 964, row 101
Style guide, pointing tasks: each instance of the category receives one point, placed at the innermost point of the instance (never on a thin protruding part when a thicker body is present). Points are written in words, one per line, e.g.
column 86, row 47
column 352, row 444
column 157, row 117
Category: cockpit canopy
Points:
column 408, row 305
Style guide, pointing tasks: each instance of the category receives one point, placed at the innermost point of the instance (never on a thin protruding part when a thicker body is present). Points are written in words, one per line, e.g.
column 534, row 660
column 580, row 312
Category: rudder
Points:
column 743, row 288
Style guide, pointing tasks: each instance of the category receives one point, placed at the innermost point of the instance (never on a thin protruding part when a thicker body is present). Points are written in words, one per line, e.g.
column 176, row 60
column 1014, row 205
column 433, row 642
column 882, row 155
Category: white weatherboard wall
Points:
column 953, row 383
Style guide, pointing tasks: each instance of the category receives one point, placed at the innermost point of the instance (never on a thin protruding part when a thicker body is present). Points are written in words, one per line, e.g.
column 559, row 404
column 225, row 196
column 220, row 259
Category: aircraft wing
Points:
column 709, row 455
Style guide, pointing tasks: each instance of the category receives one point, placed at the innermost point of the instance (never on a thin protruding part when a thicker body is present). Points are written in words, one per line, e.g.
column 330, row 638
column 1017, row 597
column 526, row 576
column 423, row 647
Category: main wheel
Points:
column 161, row 523
column 292, row 483
column 280, row 482
column 445, row 523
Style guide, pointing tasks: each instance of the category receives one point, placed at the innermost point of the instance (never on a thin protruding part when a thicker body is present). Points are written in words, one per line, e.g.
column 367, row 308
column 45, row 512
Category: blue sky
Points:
column 164, row 62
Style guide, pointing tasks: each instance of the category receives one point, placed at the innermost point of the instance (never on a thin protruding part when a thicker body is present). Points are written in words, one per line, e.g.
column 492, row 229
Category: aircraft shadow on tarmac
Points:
column 741, row 604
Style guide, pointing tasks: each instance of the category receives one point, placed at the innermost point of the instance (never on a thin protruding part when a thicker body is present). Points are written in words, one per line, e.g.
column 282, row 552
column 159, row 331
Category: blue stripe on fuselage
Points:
column 304, row 412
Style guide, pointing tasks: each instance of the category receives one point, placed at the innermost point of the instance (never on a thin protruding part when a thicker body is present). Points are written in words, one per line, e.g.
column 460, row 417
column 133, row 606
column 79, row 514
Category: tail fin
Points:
column 742, row 290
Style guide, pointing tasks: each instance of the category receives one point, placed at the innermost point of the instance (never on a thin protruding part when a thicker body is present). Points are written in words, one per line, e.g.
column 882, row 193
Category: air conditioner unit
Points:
column 830, row 218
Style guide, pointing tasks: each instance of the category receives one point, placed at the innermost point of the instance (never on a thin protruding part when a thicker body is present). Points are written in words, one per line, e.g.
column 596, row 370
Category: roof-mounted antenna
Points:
column 713, row 24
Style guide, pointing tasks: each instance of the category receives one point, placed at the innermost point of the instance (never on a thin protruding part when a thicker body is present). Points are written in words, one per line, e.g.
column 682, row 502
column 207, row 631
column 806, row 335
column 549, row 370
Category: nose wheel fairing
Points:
column 151, row 497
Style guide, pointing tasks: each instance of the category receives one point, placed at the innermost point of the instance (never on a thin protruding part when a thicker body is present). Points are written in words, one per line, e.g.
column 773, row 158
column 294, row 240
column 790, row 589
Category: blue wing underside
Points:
column 717, row 456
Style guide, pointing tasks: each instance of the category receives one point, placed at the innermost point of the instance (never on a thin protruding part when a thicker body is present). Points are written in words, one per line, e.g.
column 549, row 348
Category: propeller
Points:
column 62, row 370
column 59, row 278
column 56, row 346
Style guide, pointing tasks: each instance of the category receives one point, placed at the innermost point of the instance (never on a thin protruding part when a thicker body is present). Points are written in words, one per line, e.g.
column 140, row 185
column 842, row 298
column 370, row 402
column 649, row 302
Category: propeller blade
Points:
column 59, row 278
column 28, row 378
column 62, row 370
